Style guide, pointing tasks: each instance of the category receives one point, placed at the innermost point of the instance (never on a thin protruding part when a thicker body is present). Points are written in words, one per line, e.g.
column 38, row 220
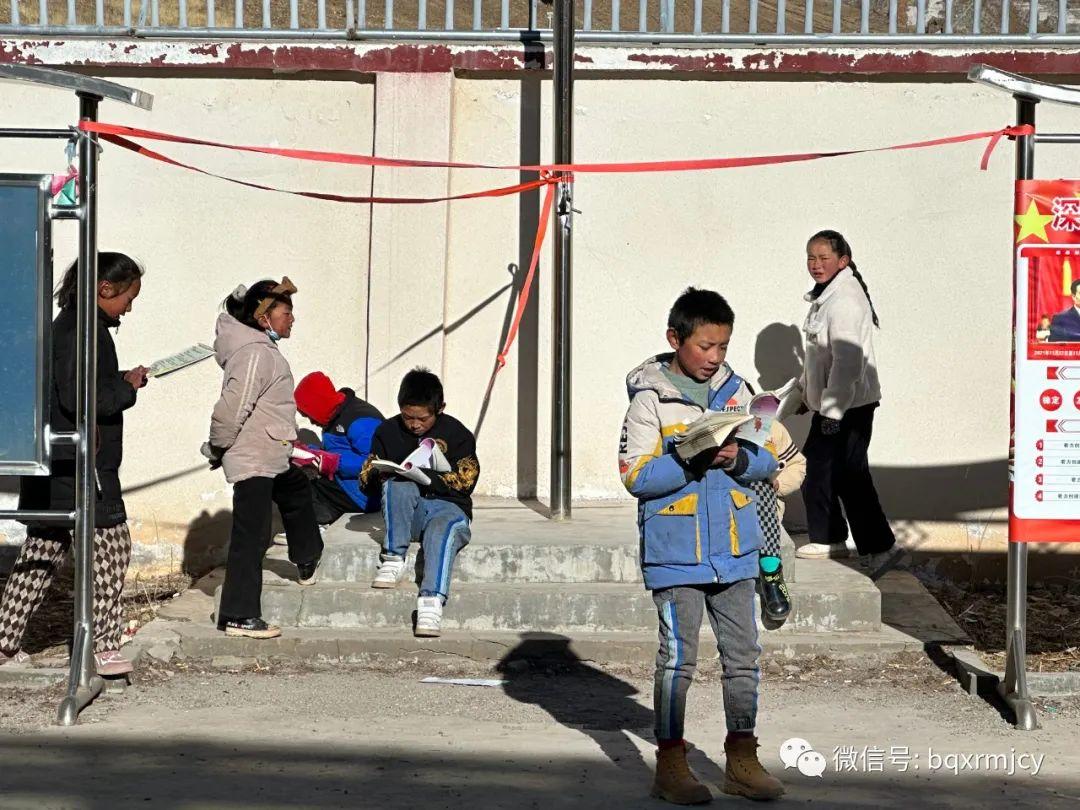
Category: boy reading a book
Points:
column 699, row 540
column 437, row 513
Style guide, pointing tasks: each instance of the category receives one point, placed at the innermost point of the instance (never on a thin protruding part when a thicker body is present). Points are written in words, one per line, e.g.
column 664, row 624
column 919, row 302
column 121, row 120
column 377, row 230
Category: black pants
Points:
column 241, row 595
column 330, row 500
column 837, row 471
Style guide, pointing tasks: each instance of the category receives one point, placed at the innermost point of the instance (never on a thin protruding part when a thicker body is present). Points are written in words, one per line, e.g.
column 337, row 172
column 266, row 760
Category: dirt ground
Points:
column 909, row 675
column 187, row 736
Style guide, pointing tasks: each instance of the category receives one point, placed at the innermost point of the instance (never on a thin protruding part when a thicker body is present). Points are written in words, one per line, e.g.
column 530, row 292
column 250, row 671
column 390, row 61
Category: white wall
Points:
column 930, row 232
column 199, row 237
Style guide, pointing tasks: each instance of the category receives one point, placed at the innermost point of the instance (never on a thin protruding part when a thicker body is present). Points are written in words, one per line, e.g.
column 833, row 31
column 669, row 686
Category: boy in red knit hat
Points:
column 347, row 423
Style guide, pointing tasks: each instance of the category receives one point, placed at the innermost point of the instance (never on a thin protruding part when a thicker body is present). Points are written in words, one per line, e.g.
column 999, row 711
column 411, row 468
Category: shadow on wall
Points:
column 932, row 492
column 206, row 542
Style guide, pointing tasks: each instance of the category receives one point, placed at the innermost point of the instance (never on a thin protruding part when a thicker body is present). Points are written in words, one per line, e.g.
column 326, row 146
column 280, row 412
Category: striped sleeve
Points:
column 246, row 379
column 646, row 471
column 791, row 462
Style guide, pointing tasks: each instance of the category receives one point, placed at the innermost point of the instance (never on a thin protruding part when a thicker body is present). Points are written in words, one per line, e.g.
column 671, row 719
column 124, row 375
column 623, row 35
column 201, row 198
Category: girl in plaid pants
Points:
column 118, row 284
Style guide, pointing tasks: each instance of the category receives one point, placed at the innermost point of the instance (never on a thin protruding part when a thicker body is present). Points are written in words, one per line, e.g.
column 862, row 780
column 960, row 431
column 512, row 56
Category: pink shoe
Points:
column 15, row 658
column 111, row 663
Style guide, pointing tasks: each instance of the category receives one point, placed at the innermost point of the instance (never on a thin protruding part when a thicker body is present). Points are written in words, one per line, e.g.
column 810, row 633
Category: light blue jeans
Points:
column 440, row 526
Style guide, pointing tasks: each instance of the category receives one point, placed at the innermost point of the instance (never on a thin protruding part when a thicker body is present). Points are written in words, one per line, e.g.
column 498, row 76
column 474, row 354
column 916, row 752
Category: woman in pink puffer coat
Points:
column 252, row 430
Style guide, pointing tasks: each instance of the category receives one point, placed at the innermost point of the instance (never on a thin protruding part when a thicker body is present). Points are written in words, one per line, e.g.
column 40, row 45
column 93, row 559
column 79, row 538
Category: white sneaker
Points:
column 281, row 540
column 428, row 617
column 823, row 551
column 19, row 658
column 391, row 571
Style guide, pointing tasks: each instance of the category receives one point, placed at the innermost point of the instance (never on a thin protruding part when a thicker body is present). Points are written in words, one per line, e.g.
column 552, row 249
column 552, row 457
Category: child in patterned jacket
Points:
column 699, row 541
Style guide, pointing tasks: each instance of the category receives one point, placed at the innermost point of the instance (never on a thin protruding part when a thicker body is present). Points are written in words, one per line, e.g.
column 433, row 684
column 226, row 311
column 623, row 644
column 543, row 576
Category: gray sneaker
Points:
column 879, row 564
column 111, row 663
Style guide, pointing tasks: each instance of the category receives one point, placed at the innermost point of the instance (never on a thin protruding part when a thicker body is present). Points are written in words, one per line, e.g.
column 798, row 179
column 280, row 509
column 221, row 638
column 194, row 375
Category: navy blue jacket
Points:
column 1065, row 327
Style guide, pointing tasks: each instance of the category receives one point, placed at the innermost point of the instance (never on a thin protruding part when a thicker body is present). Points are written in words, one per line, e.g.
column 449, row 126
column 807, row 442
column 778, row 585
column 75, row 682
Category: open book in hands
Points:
column 426, row 456
column 751, row 422
column 188, row 357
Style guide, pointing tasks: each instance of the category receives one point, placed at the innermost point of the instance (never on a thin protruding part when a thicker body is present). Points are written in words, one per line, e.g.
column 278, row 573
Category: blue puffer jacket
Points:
column 349, row 435
column 696, row 527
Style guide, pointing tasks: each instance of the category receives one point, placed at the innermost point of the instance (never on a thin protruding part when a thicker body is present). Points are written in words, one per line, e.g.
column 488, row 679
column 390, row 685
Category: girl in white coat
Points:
column 840, row 386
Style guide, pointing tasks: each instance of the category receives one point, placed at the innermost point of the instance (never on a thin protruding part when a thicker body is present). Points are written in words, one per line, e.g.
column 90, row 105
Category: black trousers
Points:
column 330, row 500
column 241, row 595
column 838, row 472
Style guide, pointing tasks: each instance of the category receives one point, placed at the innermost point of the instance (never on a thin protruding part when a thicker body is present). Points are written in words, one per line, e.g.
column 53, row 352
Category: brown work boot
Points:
column 745, row 776
column 675, row 782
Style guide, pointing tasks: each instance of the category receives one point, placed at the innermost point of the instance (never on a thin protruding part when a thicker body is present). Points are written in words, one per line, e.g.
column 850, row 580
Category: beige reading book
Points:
column 751, row 422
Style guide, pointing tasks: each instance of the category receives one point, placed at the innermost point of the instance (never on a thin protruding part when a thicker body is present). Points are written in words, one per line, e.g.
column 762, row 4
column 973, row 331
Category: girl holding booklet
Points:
column 252, row 431
column 119, row 280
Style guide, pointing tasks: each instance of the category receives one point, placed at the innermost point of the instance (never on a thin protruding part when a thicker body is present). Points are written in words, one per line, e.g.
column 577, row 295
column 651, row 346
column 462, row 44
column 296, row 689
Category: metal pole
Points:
column 83, row 682
column 1014, row 689
column 17, row 132
column 563, row 105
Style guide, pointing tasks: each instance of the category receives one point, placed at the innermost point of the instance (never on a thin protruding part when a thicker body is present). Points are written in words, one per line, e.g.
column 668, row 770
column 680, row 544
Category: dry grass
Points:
column 1053, row 623
column 49, row 632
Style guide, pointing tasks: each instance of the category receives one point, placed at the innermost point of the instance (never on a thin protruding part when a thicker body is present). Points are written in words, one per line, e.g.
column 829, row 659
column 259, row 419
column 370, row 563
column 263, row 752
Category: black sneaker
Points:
column 308, row 572
column 249, row 628
column 775, row 600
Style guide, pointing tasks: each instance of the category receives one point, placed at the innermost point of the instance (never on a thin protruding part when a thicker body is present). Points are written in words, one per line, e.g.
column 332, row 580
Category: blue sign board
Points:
column 26, row 284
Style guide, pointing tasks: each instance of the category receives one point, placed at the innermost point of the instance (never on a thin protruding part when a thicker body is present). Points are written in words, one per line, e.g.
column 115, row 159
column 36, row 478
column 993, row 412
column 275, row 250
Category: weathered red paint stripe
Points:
column 438, row 58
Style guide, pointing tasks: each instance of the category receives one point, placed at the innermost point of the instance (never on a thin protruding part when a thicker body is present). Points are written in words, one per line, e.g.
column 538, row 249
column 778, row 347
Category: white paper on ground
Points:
column 465, row 681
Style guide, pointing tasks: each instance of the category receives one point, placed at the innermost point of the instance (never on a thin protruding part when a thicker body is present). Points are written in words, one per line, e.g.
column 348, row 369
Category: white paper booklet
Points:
column 752, row 422
column 427, row 455
column 190, row 356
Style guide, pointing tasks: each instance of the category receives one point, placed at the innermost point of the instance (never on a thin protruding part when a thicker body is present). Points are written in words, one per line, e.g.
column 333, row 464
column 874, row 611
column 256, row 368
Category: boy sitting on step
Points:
column 348, row 424
column 437, row 513
column 699, row 541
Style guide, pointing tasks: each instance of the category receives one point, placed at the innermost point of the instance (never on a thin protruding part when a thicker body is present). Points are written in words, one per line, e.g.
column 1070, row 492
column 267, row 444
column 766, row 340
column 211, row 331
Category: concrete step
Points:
column 830, row 597
column 455, row 647
column 600, row 544
column 912, row 619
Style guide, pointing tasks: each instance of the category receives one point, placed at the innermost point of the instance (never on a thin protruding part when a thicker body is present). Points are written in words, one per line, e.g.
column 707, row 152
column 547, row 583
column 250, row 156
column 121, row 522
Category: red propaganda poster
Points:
column 1046, row 396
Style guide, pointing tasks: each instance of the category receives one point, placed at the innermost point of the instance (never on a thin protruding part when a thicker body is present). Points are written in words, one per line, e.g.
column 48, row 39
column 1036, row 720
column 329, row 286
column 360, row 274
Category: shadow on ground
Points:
column 92, row 774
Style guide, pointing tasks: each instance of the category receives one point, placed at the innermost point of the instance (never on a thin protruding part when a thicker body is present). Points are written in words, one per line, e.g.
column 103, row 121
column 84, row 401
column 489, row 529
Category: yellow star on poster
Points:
column 1032, row 223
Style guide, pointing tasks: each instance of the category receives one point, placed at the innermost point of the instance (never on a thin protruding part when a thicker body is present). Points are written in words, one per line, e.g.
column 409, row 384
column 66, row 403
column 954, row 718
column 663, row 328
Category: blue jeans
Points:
column 440, row 526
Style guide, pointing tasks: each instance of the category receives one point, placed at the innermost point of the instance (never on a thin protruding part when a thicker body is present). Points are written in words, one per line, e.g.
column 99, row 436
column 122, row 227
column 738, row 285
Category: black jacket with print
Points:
column 394, row 442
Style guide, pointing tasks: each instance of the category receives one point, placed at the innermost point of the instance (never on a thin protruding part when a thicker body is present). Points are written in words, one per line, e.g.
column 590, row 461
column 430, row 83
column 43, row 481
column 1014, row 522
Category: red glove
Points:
column 326, row 462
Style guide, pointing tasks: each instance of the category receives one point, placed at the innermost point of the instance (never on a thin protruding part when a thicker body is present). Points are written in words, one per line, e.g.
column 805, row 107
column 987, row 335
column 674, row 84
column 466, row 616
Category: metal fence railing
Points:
column 878, row 22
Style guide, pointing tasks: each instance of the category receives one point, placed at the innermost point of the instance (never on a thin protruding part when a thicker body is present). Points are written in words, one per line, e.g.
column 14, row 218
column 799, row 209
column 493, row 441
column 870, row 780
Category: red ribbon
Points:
column 317, row 195
column 550, row 174
column 526, row 287
column 701, row 164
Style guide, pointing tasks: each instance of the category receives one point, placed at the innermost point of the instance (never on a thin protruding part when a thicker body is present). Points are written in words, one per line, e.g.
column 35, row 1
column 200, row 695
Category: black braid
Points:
column 858, row 276
column 841, row 247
